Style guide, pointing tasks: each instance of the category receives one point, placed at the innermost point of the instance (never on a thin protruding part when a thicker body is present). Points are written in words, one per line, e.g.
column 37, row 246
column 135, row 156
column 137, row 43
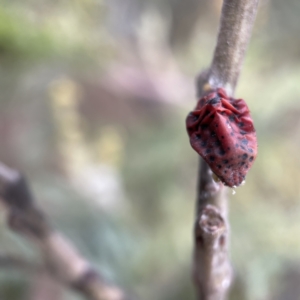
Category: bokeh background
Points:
column 93, row 99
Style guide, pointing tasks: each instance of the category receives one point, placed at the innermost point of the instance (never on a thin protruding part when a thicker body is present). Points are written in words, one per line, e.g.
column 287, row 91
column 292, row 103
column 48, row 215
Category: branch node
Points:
column 210, row 221
column 209, row 226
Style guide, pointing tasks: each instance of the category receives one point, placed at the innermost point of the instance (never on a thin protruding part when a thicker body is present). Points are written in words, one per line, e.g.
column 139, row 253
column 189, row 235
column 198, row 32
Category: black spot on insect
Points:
column 216, row 125
column 251, row 158
column 212, row 158
column 242, row 163
column 225, row 161
column 245, row 156
column 212, row 116
column 241, row 124
column 228, row 148
column 236, row 145
column 208, row 151
column 222, row 152
column 222, row 136
column 222, row 113
column 243, row 147
column 243, row 132
column 214, row 100
column 198, row 137
column 213, row 134
column 203, row 144
column 217, row 143
column 204, row 126
column 225, row 172
column 246, row 166
column 250, row 150
column 245, row 141
column 231, row 118
column 219, row 166
column 231, row 133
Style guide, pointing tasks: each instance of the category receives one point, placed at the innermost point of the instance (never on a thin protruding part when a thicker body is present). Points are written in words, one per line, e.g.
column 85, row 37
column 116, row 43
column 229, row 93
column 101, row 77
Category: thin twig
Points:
column 236, row 25
column 62, row 259
column 212, row 272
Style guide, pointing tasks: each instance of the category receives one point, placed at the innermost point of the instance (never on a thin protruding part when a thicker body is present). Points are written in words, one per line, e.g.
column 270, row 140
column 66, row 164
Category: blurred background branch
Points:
column 61, row 258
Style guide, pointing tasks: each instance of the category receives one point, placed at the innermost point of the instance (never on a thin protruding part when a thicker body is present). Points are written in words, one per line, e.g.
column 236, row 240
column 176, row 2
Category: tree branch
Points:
column 61, row 258
column 236, row 24
column 212, row 272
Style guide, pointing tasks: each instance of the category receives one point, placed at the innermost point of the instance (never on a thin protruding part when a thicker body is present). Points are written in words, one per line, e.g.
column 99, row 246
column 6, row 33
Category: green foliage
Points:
column 22, row 39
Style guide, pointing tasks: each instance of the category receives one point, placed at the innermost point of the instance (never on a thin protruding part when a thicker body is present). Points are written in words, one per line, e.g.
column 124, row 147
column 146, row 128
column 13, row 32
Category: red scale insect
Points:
column 221, row 130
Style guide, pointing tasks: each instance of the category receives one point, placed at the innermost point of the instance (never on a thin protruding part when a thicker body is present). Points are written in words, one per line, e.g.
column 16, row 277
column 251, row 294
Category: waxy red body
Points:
column 221, row 130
